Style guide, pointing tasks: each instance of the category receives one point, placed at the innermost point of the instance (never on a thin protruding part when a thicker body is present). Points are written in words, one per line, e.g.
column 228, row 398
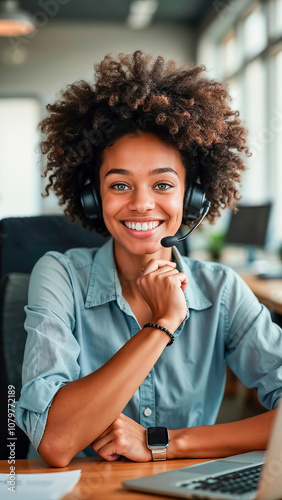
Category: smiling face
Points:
column 142, row 183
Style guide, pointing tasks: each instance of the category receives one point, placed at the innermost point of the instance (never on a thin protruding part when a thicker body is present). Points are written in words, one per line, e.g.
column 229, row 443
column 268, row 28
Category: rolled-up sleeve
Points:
column 51, row 351
column 253, row 342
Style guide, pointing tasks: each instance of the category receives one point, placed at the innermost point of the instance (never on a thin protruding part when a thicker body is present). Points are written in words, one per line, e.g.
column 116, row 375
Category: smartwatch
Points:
column 157, row 442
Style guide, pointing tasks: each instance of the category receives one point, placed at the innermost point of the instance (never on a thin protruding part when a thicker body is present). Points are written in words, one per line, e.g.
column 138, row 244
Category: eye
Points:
column 119, row 186
column 163, row 186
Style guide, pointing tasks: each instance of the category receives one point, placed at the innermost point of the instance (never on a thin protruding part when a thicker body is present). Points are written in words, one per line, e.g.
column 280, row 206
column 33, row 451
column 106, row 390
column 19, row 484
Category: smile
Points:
column 145, row 226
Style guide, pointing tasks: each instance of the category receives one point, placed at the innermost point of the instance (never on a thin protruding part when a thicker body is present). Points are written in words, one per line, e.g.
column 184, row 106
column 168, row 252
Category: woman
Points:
column 96, row 371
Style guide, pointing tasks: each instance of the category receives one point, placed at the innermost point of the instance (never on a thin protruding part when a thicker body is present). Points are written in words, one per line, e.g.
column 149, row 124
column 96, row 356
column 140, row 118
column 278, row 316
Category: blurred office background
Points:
column 240, row 42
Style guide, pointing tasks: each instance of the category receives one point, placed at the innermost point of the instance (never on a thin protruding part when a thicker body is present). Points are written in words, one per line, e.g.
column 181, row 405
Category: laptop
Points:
column 248, row 476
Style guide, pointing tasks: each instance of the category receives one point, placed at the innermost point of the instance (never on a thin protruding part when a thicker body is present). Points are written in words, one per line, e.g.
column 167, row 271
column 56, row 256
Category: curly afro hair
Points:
column 135, row 94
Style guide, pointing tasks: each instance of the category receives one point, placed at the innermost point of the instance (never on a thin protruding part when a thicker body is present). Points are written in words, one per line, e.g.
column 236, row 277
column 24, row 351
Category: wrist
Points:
column 176, row 447
column 168, row 323
column 156, row 326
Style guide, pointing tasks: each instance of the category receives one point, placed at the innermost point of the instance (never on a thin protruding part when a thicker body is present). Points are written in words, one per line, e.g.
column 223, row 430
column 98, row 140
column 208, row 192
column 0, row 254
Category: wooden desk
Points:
column 268, row 292
column 100, row 479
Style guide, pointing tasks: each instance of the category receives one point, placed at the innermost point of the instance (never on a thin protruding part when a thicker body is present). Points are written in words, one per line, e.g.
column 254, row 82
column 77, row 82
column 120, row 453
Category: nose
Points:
column 141, row 200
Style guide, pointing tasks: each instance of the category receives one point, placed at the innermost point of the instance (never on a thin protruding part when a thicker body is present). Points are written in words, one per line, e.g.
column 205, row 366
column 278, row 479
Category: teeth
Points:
column 142, row 227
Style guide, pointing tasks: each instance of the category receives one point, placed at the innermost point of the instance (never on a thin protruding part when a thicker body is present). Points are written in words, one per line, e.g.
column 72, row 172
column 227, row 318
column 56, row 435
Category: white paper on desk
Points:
column 47, row 486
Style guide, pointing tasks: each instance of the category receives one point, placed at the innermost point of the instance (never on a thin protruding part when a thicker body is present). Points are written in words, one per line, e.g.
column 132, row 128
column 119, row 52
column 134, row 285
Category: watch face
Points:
column 157, row 436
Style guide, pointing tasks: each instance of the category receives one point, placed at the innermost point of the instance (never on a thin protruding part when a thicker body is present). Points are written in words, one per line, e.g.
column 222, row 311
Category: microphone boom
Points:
column 170, row 241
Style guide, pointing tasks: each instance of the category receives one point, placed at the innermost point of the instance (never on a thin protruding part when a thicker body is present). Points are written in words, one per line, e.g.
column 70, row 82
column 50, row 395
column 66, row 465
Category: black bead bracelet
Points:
column 153, row 325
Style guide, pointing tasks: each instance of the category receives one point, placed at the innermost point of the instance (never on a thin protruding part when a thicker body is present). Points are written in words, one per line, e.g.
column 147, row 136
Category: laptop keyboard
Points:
column 237, row 482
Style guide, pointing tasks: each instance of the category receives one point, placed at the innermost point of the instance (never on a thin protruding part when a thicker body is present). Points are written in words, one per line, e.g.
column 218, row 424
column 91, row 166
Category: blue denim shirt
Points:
column 77, row 319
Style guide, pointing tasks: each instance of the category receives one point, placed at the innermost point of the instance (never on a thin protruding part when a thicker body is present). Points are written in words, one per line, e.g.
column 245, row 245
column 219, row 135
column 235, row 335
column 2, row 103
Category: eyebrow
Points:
column 123, row 171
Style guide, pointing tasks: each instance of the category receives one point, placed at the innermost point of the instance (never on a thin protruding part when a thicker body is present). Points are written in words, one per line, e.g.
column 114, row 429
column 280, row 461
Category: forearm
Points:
column 83, row 409
column 222, row 439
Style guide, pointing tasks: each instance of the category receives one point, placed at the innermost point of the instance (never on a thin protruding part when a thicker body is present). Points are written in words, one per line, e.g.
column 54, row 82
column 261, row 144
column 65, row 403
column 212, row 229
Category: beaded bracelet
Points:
column 153, row 325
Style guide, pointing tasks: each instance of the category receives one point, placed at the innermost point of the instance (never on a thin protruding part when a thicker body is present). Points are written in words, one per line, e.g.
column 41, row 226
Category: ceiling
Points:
column 177, row 11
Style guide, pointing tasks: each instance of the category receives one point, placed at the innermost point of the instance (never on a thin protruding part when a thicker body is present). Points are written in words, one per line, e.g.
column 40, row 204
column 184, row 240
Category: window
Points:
column 254, row 32
column 230, row 53
column 254, row 113
column 276, row 137
column 20, row 177
column 243, row 47
column 275, row 27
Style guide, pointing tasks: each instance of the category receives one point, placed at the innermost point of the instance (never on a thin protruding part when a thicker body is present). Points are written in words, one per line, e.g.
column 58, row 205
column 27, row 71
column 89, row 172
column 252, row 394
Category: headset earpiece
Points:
column 91, row 201
column 194, row 202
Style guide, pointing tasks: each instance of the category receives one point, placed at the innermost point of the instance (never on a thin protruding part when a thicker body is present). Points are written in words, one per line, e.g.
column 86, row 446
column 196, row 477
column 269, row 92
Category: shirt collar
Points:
column 195, row 298
column 104, row 285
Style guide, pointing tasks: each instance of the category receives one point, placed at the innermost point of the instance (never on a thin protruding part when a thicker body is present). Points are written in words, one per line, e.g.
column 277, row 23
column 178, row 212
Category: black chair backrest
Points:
column 13, row 298
column 23, row 240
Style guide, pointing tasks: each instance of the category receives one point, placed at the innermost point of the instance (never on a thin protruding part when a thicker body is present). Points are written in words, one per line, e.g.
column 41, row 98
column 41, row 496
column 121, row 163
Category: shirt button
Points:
column 147, row 411
column 122, row 305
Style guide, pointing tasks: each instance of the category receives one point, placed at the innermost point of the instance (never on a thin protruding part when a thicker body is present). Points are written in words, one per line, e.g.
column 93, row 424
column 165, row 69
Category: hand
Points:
column 123, row 437
column 162, row 286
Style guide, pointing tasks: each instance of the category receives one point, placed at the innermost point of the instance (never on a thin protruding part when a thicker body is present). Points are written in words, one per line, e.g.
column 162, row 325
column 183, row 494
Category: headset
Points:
column 195, row 206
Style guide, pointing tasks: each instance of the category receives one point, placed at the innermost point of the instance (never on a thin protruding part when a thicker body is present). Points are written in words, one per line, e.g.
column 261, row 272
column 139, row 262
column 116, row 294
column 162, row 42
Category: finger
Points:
column 111, row 427
column 108, row 434
column 105, row 433
column 109, row 453
column 99, row 443
column 181, row 277
column 113, row 457
column 184, row 281
column 157, row 272
column 155, row 264
column 166, row 264
column 163, row 270
column 160, row 270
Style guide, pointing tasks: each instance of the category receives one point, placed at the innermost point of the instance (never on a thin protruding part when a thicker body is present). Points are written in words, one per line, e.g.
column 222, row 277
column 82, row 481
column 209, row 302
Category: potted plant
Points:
column 216, row 244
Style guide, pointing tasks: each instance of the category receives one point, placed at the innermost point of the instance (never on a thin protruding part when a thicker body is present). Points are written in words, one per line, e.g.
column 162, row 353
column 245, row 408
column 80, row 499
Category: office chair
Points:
column 23, row 240
column 13, row 298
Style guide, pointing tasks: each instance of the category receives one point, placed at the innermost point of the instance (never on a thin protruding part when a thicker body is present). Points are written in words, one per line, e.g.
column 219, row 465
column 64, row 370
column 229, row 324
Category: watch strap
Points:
column 158, row 454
